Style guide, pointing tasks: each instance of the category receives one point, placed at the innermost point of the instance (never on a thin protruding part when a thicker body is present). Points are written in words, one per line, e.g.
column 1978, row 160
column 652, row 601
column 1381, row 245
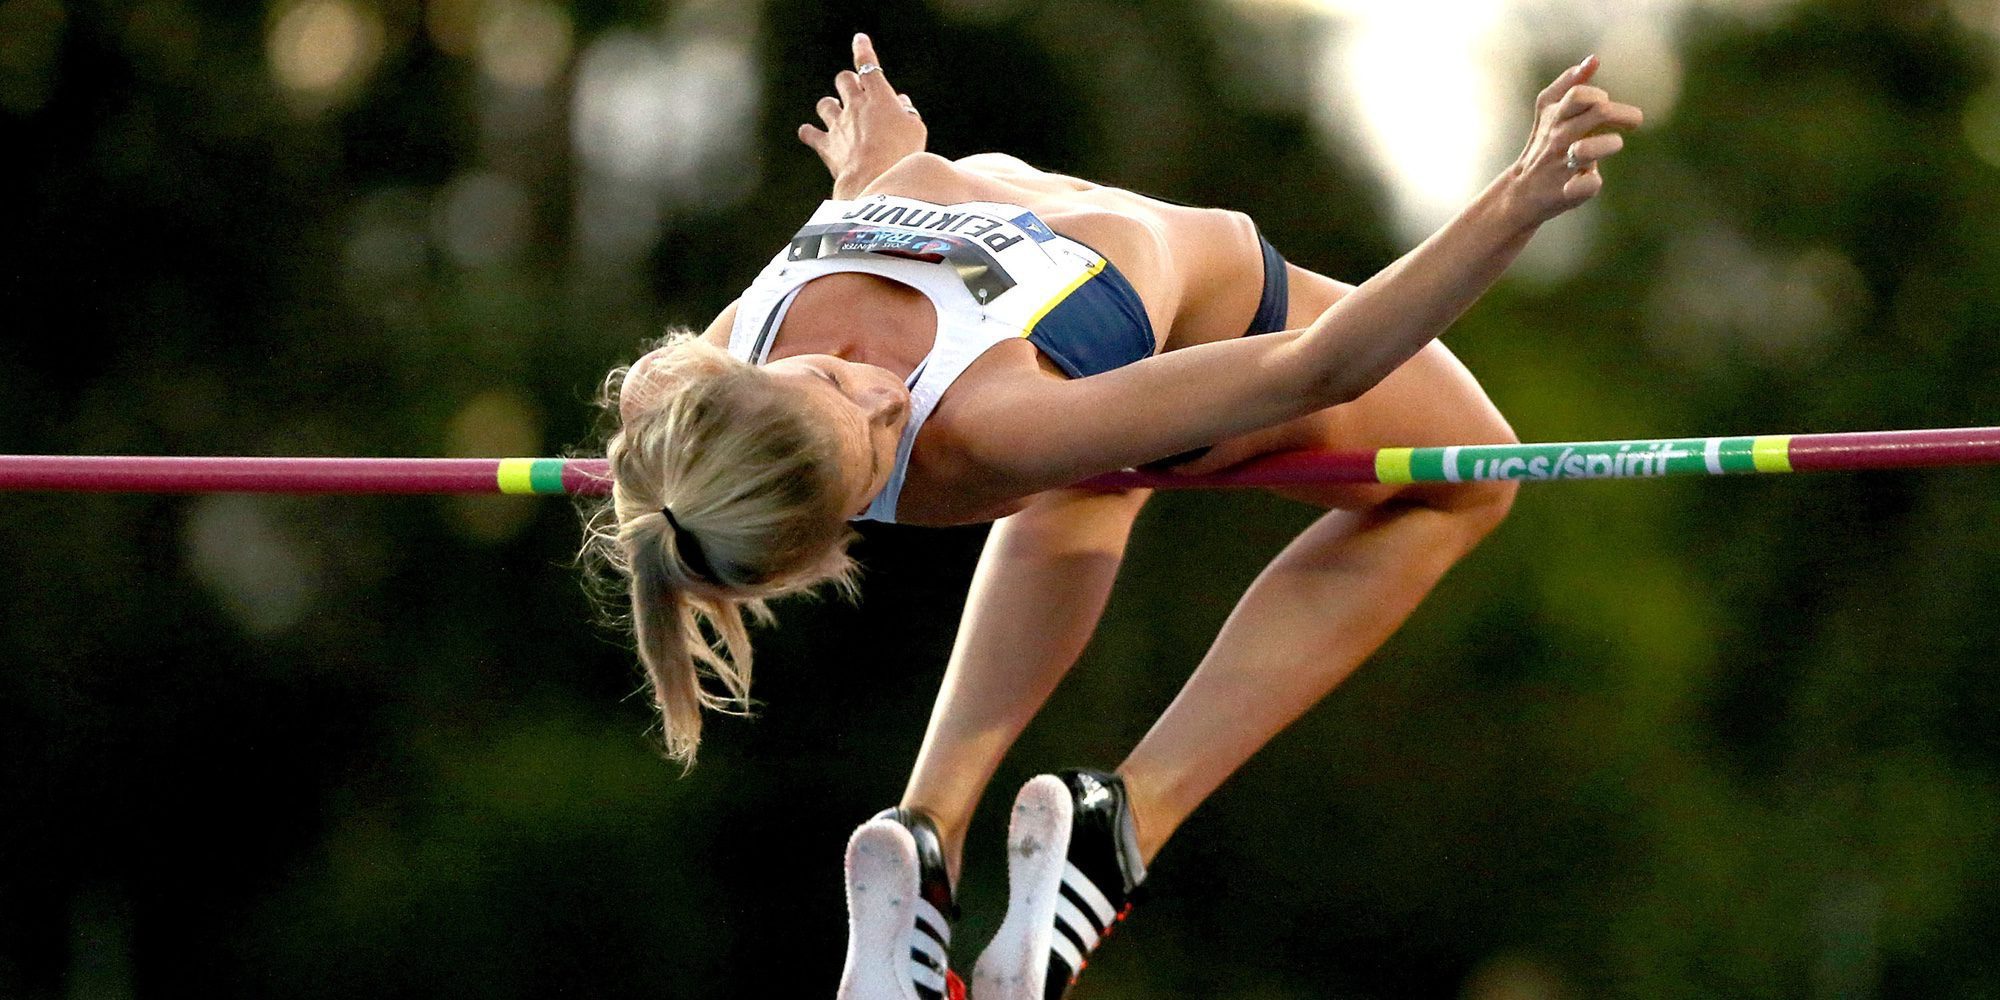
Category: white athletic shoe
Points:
column 898, row 913
column 1073, row 869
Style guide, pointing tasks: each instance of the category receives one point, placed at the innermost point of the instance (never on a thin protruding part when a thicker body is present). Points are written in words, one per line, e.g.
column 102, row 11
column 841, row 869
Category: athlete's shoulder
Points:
column 717, row 333
column 925, row 176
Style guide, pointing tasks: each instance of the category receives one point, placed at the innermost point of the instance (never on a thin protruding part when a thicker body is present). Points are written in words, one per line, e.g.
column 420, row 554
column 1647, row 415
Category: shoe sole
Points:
column 881, row 898
column 1015, row 965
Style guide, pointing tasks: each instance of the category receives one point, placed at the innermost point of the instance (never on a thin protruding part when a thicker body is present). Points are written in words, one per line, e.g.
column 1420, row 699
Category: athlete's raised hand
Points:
column 868, row 127
column 1577, row 127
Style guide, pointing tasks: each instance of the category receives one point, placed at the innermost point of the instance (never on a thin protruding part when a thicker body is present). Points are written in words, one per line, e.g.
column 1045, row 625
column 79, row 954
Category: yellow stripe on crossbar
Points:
column 516, row 475
column 1772, row 453
column 1392, row 465
column 1092, row 272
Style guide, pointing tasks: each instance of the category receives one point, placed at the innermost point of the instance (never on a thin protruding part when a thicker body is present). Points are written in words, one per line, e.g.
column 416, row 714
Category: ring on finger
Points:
column 1572, row 162
column 866, row 68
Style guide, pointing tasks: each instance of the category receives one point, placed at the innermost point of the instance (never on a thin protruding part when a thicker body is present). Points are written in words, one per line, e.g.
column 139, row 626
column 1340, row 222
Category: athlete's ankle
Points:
column 950, row 826
column 1150, row 817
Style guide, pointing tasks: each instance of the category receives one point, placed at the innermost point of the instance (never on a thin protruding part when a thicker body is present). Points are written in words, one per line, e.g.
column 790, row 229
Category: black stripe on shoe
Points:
column 1101, row 875
column 1059, row 979
column 942, row 938
column 930, row 964
column 927, row 971
column 1089, row 914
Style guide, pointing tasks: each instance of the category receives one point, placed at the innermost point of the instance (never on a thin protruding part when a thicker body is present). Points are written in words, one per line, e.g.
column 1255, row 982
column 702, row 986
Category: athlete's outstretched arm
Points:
column 1052, row 433
column 869, row 127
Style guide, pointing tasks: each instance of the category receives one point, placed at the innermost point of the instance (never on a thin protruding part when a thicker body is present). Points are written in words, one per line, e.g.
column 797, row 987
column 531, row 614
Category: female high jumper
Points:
column 948, row 342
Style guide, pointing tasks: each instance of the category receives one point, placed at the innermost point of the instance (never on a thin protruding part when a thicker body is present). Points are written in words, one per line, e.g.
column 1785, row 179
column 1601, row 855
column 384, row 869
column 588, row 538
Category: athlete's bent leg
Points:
column 1335, row 593
column 1041, row 585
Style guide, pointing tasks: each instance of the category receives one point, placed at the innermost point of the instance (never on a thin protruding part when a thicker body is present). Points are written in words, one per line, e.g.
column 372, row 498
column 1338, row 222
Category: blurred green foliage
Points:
column 1714, row 738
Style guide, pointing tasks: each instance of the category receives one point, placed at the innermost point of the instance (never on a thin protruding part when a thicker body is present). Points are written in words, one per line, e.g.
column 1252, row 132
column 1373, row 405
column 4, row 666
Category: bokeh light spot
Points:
column 661, row 124
column 481, row 219
column 243, row 551
column 321, row 48
column 1719, row 297
column 1981, row 125
column 523, row 43
column 498, row 423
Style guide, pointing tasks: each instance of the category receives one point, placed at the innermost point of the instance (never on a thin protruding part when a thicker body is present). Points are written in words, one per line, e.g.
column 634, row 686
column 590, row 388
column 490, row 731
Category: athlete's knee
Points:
column 1485, row 506
column 1475, row 509
column 1491, row 502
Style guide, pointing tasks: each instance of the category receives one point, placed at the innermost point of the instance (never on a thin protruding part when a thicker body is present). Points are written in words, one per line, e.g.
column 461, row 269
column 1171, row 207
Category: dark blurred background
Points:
column 1692, row 738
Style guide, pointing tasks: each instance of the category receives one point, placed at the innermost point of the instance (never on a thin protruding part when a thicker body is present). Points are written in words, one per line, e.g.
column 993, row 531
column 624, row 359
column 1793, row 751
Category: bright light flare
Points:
column 1425, row 84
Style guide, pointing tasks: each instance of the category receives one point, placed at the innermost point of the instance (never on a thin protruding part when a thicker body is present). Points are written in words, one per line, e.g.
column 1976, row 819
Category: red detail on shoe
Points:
column 954, row 987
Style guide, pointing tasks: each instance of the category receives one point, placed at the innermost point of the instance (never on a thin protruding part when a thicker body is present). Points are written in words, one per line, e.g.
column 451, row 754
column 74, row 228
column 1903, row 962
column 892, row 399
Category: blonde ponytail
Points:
column 752, row 483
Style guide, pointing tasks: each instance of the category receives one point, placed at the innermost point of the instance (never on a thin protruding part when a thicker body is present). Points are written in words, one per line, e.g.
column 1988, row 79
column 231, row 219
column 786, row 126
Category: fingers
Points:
column 1623, row 116
column 1606, row 115
column 1587, row 69
column 864, row 55
column 854, row 86
column 1586, row 152
column 1571, row 77
column 1583, row 186
column 1579, row 99
column 1577, row 127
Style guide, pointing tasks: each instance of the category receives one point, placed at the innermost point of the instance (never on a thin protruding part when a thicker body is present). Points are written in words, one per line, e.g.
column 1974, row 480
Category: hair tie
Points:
column 688, row 548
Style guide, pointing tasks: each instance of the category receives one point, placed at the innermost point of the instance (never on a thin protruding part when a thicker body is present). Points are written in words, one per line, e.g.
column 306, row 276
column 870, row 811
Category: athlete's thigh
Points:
column 1432, row 399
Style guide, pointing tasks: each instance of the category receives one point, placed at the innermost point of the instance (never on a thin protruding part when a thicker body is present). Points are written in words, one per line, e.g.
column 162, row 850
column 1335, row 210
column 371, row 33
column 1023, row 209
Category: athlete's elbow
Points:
column 1343, row 381
column 1351, row 374
column 1339, row 387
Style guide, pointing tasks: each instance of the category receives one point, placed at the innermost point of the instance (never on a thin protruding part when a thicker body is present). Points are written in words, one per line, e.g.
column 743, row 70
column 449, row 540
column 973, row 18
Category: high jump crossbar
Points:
column 1636, row 459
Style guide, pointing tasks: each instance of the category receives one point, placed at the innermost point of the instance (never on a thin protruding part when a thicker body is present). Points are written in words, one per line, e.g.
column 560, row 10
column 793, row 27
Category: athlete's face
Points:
column 865, row 406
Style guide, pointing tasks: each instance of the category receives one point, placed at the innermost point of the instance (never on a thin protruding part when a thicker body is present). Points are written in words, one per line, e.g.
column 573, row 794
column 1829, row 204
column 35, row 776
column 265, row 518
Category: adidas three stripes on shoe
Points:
column 1073, row 869
column 899, row 912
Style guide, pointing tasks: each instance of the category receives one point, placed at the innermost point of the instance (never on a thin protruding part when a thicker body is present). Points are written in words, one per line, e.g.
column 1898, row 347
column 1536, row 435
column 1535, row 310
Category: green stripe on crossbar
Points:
column 530, row 475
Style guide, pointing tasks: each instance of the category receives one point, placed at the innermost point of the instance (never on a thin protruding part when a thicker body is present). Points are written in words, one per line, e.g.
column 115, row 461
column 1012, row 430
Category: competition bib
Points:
column 991, row 252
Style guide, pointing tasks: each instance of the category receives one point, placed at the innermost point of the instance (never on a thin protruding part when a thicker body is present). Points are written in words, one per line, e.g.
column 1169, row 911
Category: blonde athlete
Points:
column 955, row 341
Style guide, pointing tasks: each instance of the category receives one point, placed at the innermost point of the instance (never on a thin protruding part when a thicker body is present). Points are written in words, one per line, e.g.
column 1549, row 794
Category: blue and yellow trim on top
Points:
column 1093, row 326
